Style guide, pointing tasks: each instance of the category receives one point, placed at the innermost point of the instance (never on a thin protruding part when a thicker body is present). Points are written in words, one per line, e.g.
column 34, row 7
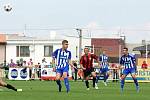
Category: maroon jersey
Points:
column 87, row 60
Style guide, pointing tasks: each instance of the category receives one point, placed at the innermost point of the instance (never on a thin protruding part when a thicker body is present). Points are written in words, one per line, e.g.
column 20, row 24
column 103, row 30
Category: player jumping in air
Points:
column 128, row 64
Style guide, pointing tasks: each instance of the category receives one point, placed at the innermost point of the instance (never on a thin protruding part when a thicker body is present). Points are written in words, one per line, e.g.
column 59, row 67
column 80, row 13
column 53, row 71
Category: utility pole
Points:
column 80, row 42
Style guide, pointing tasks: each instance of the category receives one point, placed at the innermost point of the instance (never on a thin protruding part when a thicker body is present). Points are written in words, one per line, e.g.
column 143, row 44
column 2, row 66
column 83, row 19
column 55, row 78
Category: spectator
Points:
column 12, row 64
column 21, row 62
column 115, row 72
column 31, row 68
column 38, row 70
column 75, row 70
column 25, row 63
column 44, row 63
column 144, row 65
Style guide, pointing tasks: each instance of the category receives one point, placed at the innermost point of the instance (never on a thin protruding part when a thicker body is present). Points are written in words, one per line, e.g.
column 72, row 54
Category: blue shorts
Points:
column 129, row 71
column 62, row 70
column 103, row 70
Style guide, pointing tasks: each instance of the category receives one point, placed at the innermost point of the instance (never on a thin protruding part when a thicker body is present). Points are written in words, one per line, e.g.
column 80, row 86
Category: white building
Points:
column 38, row 48
column 28, row 47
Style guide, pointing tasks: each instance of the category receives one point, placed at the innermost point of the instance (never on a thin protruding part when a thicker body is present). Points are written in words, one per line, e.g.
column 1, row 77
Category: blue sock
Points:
column 67, row 84
column 122, row 83
column 105, row 77
column 97, row 77
column 135, row 81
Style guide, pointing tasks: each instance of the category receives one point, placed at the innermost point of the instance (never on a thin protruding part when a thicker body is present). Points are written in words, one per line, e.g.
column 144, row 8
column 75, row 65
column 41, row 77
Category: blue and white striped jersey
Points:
column 103, row 61
column 128, row 61
column 62, row 58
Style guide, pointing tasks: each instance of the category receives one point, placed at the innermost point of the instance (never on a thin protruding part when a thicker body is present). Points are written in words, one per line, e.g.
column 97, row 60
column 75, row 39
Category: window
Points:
column 48, row 50
column 22, row 51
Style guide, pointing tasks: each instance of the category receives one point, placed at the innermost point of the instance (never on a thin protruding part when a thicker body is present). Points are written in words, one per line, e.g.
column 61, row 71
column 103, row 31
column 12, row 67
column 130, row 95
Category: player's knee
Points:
column 57, row 77
column 122, row 77
column 65, row 75
column 134, row 77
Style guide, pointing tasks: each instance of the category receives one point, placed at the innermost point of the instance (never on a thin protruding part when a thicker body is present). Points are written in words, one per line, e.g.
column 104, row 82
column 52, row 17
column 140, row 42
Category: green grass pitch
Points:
column 47, row 90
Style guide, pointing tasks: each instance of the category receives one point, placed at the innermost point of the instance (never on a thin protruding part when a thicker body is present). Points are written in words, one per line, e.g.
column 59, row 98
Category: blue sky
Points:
column 130, row 16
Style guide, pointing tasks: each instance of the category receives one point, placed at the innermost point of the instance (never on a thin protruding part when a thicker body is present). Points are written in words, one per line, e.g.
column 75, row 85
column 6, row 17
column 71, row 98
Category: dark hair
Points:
column 64, row 41
column 86, row 48
column 125, row 48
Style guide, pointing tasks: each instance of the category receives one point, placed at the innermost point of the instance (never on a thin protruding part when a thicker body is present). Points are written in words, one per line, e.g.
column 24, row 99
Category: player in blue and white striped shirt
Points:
column 104, row 66
column 61, row 61
column 128, row 64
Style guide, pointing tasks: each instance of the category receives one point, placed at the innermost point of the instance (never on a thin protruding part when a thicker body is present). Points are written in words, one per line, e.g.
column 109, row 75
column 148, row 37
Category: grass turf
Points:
column 47, row 90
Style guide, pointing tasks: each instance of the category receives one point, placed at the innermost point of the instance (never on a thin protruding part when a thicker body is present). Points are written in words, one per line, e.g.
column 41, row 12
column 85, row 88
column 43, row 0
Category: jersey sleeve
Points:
column 69, row 57
column 94, row 56
column 55, row 53
column 81, row 60
column 121, row 61
column 100, row 58
column 134, row 59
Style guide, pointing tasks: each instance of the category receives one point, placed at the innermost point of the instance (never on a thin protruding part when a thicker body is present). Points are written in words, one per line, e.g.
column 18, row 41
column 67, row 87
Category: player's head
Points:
column 104, row 51
column 125, row 50
column 64, row 44
column 86, row 50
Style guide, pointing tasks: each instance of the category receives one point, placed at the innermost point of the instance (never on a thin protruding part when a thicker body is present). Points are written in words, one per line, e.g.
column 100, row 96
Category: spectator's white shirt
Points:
column 43, row 64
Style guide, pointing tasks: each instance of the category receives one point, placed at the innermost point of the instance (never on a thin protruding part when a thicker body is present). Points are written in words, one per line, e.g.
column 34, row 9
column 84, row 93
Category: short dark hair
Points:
column 64, row 41
column 125, row 48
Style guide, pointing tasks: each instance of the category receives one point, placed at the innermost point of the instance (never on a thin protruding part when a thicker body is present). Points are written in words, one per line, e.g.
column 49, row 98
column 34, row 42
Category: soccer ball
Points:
column 7, row 7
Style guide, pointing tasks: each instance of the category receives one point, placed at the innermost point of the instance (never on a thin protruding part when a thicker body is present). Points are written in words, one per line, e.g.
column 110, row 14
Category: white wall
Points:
column 10, row 52
column 38, row 54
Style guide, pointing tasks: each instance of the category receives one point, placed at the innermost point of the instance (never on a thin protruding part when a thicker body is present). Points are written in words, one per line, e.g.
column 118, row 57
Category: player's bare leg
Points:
column 58, row 76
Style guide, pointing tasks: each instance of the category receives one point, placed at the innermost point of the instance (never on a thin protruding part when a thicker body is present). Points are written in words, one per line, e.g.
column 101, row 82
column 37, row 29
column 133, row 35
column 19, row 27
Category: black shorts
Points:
column 88, row 72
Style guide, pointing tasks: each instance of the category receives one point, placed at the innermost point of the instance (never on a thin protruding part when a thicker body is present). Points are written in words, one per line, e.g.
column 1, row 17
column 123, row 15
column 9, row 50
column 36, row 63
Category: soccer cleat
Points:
column 96, row 87
column 137, row 89
column 19, row 90
column 88, row 89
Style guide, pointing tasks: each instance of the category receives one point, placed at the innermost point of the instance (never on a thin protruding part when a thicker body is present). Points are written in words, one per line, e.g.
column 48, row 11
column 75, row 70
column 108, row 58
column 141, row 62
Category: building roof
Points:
column 142, row 48
column 22, row 37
